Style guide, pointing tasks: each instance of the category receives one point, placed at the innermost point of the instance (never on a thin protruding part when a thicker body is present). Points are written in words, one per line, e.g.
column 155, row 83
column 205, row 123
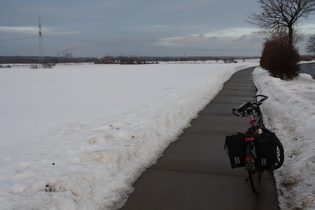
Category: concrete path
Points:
column 194, row 172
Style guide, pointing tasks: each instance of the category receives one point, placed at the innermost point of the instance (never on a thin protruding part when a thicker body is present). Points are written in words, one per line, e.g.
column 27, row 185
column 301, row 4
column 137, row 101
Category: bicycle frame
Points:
column 256, row 122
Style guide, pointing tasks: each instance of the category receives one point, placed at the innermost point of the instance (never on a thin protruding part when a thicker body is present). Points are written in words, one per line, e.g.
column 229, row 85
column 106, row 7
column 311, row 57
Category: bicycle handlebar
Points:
column 246, row 108
column 260, row 101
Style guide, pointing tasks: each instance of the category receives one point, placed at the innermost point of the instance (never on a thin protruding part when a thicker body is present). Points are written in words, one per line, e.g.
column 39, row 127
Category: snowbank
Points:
column 77, row 137
column 290, row 113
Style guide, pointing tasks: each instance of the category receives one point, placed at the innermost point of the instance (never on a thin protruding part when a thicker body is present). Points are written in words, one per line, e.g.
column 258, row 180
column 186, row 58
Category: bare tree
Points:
column 310, row 45
column 281, row 14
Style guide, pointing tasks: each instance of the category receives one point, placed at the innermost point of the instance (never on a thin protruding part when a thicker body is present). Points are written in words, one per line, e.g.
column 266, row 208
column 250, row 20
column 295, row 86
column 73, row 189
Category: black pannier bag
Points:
column 266, row 150
column 235, row 148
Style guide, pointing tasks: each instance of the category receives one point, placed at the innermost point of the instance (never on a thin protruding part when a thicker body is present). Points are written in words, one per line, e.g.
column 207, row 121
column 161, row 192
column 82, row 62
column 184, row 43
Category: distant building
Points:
column 68, row 55
column 64, row 55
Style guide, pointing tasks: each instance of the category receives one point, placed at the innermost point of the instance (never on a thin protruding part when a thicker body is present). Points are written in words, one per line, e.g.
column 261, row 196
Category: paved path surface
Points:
column 194, row 172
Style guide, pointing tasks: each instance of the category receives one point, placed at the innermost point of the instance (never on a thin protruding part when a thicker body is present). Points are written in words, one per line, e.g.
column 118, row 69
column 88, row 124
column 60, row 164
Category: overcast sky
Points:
column 133, row 27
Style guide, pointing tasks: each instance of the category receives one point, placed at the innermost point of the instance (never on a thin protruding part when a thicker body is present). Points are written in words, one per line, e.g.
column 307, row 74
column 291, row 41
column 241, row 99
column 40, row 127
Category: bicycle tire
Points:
column 280, row 155
column 254, row 173
column 255, row 180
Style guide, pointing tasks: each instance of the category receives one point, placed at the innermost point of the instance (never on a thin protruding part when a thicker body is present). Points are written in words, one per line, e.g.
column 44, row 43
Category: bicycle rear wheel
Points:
column 255, row 179
column 254, row 173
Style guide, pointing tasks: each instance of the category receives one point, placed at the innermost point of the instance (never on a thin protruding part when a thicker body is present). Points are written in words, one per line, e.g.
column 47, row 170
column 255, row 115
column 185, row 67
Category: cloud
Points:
column 308, row 28
column 229, row 41
column 191, row 39
column 232, row 32
column 240, row 39
column 25, row 30
column 229, row 34
column 34, row 30
column 254, row 38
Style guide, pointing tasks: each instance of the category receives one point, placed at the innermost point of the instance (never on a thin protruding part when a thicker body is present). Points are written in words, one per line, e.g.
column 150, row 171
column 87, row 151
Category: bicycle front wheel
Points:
column 280, row 155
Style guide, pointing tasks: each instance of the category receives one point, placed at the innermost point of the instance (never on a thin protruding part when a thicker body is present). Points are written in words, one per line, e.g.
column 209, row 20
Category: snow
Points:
column 290, row 113
column 78, row 136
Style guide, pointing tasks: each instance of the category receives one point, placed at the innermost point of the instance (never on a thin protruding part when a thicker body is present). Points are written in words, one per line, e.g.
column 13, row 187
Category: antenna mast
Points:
column 40, row 43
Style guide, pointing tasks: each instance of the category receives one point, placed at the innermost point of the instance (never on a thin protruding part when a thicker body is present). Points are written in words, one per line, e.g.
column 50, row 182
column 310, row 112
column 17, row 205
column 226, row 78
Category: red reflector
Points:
column 247, row 159
column 251, row 138
column 246, row 139
column 252, row 122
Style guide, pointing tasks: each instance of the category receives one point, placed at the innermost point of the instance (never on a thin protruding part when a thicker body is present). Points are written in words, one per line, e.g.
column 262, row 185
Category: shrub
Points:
column 280, row 58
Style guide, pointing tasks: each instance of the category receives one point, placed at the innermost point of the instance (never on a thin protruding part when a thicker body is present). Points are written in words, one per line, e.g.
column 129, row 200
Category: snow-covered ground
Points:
column 290, row 113
column 78, row 136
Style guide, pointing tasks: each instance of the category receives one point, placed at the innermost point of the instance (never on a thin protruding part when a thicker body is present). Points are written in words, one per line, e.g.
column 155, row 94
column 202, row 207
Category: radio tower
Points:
column 40, row 43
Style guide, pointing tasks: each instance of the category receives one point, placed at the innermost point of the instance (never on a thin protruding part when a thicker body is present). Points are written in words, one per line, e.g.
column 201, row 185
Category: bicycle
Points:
column 258, row 149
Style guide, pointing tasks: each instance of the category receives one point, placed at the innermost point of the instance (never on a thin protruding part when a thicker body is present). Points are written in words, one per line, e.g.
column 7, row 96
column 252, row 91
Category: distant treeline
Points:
column 126, row 59
column 35, row 59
